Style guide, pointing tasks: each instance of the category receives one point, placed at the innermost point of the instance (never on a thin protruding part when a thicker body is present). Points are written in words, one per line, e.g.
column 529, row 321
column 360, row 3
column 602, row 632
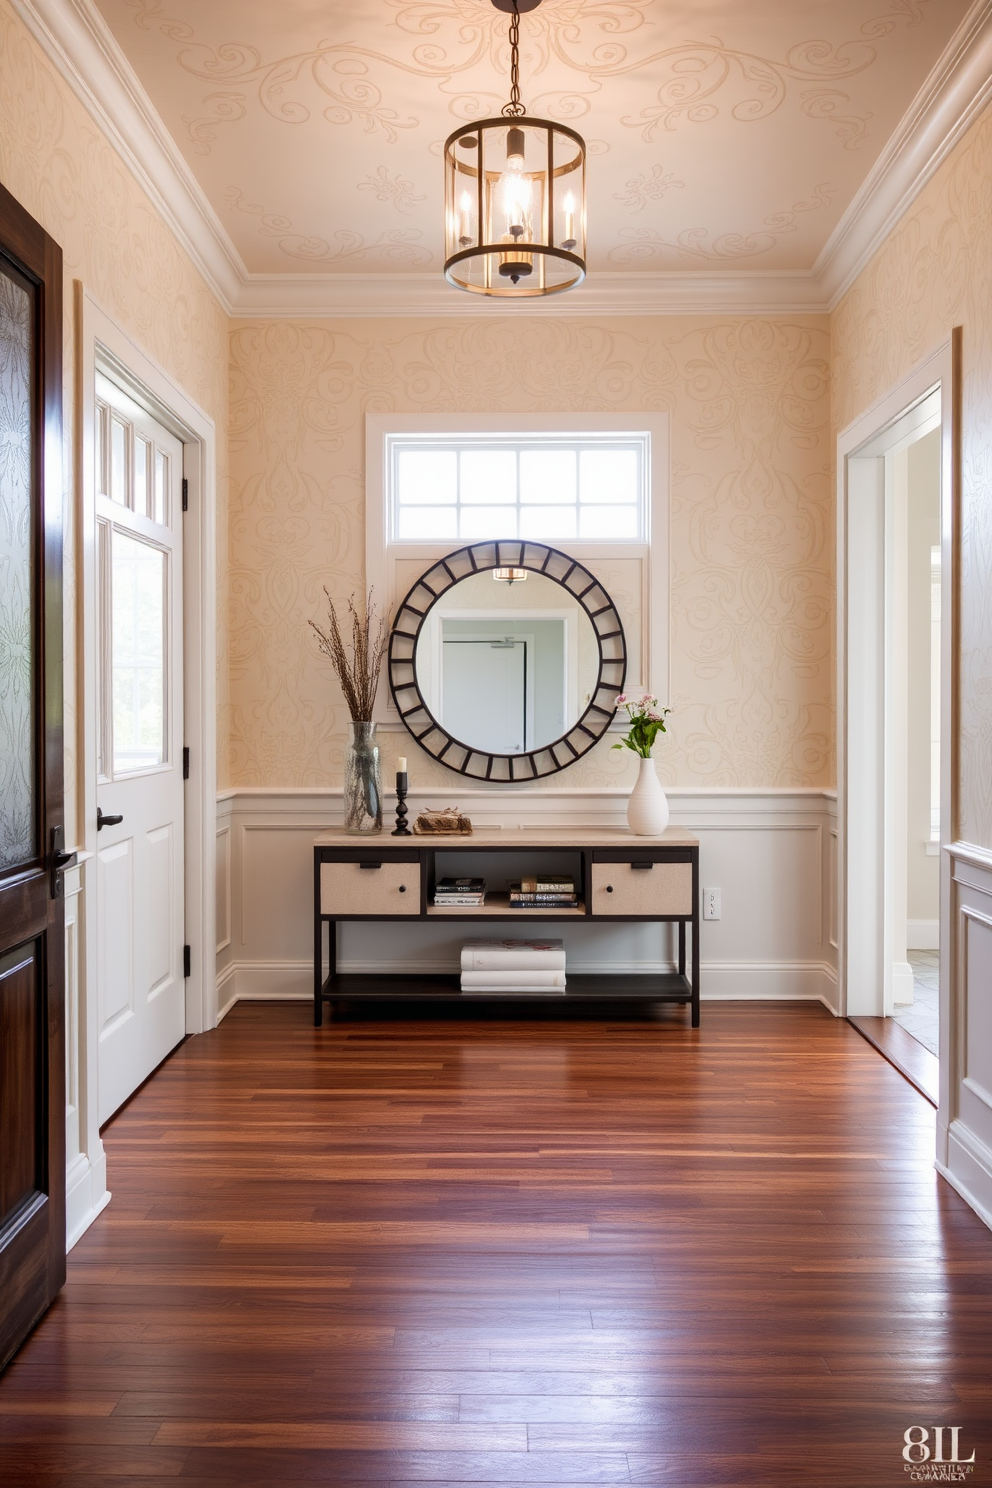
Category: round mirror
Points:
column 505, row 659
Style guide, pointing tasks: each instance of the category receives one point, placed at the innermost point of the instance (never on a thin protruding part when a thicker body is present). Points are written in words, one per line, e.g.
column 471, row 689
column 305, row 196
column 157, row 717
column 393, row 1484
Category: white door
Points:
column 140, row 867
column 483, row 690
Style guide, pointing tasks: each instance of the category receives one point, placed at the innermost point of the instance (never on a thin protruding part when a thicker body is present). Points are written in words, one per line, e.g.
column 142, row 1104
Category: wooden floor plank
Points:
column 520, row 1253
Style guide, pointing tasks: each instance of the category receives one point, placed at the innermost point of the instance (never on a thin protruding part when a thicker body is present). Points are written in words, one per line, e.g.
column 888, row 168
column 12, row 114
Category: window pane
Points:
column 616, row 522
column 488, row 521
column 139, row 631
column 100, row 447
column 18, row 808
column 160, row 507
column 142, row 462
column 427, row 477
column 428, row 523
column 545, row 522
column 609, row 475
column 118, row 461
column 547, row 475
column 489, row 476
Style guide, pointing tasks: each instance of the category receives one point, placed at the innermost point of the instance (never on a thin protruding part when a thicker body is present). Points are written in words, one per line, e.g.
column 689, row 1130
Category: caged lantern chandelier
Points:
column 515, row 197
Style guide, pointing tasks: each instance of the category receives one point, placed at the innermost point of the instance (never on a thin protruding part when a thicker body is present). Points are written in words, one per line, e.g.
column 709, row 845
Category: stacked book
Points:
column 463, row 892
column 544, row 892
column 511, row 967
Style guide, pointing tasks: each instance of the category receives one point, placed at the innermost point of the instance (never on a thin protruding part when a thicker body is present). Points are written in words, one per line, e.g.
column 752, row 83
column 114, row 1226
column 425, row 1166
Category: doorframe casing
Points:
column 862, row 694
column 102, row 344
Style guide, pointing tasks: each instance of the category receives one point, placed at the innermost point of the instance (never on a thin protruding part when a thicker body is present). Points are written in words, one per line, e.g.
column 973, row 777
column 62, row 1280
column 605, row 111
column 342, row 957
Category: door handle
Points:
column 106, row 821
column 647, row 866
column 61, row 860
column 371, row 867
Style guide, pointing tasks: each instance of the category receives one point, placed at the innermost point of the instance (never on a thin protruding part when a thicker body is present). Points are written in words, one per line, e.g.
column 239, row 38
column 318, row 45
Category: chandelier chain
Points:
column 514, row 109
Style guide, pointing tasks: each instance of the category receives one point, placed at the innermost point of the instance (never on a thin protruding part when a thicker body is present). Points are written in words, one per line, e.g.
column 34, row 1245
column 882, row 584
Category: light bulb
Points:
column 465, row 214
column 568, row 241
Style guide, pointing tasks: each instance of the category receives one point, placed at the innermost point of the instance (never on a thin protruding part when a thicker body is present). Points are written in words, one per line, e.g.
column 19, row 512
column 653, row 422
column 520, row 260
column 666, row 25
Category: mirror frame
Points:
column 432, row 736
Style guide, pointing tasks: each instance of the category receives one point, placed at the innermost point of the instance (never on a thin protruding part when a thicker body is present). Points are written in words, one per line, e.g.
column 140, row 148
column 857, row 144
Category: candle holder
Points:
column 402, row 783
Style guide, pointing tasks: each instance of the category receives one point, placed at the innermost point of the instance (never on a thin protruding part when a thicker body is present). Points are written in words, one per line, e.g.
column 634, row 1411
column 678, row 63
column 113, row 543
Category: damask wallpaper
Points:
column 751, row 521
column 66, row 174
column 935, row 272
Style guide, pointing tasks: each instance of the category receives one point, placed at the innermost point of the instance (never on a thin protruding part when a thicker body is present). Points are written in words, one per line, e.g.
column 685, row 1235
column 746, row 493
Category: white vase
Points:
column 647, row 809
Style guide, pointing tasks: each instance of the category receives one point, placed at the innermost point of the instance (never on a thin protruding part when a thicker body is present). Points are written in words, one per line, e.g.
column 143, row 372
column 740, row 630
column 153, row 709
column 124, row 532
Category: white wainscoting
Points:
column 964, row 1138
column 771, row 852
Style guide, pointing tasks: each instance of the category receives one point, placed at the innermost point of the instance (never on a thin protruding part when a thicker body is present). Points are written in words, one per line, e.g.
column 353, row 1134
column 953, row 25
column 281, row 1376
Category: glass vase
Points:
column 362, row 781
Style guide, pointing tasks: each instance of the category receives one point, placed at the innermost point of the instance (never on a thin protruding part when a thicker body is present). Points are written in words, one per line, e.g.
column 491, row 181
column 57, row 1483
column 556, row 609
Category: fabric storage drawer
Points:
column 370, row 888
column 626, row 888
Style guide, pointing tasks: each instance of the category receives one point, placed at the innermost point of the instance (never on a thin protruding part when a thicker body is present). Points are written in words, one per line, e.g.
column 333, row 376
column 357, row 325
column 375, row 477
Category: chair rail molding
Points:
column 78, row 41
column 771, row 851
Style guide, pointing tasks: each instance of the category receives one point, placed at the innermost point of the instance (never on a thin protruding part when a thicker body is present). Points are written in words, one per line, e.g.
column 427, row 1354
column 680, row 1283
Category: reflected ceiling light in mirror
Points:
column 515, row 197
column 509, row 575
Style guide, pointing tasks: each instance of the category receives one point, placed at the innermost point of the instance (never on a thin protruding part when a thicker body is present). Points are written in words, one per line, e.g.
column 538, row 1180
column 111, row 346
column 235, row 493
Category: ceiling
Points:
column 721, row 134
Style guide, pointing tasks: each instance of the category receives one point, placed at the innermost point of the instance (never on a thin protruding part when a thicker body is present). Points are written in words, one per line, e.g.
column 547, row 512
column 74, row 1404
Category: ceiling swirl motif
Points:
column 643, row 244
column 394, row 246
column 645, row 188
column 702, row 117
column 395, row 189
column 695, row 73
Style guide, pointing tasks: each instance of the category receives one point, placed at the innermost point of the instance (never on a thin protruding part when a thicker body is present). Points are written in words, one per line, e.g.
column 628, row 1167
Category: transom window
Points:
column 548, row 487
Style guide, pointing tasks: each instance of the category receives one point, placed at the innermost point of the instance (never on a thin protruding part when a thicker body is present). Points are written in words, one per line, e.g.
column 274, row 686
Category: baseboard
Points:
column 903, row 993
column 86, row 1196
column 969, row 1170
column 923, row 935
column 292, row 981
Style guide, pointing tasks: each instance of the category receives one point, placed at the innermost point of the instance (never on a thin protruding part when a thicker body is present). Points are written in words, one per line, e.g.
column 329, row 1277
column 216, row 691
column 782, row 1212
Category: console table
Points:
column 618, row 877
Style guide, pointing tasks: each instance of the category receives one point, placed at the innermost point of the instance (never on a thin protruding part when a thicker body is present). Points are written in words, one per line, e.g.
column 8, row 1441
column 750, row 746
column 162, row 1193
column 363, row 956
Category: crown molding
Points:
column 268, row 296
column 77, row 40
column 951, row 98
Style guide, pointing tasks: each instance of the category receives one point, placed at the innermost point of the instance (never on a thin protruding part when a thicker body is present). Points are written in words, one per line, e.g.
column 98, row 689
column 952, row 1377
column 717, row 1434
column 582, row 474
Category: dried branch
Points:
column 359, row 673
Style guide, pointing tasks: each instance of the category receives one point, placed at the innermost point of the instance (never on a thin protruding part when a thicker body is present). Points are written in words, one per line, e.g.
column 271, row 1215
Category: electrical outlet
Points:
column 711, row 904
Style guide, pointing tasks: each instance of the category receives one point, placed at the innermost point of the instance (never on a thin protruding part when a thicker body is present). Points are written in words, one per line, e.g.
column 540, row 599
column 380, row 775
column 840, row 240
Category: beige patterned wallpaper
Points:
column 751, row 521
column 935, row 272
column 61, row 168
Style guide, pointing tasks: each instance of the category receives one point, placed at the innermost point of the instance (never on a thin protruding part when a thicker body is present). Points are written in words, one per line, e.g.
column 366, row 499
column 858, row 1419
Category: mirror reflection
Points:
column 507, row 661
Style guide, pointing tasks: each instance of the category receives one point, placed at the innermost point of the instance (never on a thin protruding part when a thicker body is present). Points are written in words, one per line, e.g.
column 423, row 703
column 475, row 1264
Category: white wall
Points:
column 773, row 854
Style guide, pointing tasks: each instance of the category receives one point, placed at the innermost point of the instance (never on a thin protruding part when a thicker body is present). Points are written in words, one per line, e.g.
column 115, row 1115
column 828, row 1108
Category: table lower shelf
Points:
column 363, row 987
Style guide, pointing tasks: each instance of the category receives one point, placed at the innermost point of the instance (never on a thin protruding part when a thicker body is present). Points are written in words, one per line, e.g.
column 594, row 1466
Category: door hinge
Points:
column 185, row 494
column 185, row 761
column 187, row 962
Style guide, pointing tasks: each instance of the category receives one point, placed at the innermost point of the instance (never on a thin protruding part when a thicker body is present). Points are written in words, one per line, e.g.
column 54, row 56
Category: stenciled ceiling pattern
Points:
column 720, row 134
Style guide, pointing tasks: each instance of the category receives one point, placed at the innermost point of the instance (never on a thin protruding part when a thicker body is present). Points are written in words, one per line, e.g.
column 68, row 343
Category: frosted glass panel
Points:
column 139, row 635
column 549, row 487
column 18, row 811
column 546, row 476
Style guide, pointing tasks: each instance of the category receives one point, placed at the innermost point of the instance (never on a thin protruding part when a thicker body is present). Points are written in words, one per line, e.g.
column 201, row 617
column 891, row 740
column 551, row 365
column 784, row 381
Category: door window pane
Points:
column 118, row 461
column 159, row 512
column 18, row 835
column 142, row 463
column 139, row 635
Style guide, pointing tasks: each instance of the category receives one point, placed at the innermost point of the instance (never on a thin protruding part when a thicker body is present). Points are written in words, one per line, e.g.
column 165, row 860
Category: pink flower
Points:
column 619, row 702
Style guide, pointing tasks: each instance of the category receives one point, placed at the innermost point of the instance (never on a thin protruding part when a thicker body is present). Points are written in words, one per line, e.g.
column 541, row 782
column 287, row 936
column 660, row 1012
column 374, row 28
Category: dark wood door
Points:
column 32, row 976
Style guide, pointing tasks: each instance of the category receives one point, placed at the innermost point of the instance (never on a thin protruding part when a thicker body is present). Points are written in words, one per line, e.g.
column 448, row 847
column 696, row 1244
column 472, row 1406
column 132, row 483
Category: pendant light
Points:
column 515, row 197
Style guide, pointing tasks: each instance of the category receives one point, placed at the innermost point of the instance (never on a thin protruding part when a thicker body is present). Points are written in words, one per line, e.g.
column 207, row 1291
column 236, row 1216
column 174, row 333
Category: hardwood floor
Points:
column 494, row 1251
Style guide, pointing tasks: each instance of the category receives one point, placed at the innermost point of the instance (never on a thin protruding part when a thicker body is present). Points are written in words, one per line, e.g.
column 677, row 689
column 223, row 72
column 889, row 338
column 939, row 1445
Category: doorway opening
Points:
column 894, row 775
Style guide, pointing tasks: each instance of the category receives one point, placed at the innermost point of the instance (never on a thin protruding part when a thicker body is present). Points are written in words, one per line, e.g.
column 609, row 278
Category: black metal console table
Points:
column 619, row 877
